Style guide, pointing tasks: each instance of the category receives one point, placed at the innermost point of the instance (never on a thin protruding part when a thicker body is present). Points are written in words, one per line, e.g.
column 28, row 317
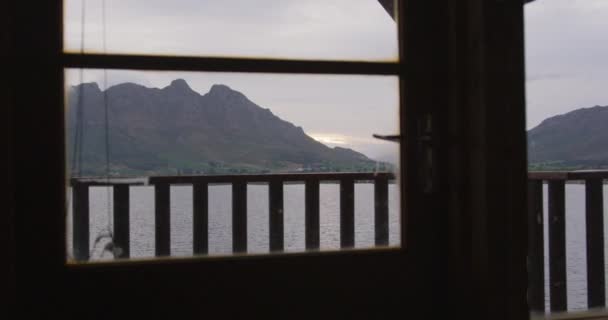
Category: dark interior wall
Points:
column 487, row 160
column 8, row 245
column 425, row 82
column 38, row 160
column 470, row 80
column 506, row 157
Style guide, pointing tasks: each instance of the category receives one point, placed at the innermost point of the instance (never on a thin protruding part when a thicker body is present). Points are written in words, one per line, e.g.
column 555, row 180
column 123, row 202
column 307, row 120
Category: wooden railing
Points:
column 557, row 219
column 121, row 237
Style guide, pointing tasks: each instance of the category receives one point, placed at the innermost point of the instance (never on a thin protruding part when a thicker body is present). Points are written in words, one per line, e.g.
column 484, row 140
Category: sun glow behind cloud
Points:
column 330, row 139
column 343, row 140
column 371, row 147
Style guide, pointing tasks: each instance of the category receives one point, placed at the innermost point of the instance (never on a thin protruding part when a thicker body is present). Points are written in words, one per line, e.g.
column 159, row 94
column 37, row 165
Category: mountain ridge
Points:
column 574, row 140
column 175, row 129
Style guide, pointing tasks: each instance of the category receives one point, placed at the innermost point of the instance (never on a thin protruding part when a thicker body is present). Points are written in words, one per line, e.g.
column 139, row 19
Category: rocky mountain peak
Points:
column 221, row 91
column 87, row 88
column 179, row 85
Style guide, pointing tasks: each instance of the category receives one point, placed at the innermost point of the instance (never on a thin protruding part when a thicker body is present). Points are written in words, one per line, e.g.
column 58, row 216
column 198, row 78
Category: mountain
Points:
column 177, row 130
column 577, row 139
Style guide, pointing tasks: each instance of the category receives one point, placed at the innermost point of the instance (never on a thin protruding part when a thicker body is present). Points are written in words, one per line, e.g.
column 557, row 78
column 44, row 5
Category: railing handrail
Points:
column 322, row 176
column 568, row 175
column 99, row 181
column 226, row 178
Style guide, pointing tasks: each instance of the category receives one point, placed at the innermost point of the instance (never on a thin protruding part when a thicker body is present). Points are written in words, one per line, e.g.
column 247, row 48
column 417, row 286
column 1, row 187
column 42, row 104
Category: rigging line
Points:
column 81, row 124
column 74, row 172
column 106, row 119
column 77, row 151
column 76, row 165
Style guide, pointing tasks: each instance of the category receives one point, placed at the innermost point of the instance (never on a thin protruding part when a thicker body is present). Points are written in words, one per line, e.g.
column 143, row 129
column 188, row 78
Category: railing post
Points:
column 239, row 216
column 200, row 218
column 275, row 206
column 381, row 210
column 162, row 219
column 80, row 221
column 121, row 220
column 311, row 204
column 557, row 246
column 536, row 265
column 596, row 295
column 347, row 213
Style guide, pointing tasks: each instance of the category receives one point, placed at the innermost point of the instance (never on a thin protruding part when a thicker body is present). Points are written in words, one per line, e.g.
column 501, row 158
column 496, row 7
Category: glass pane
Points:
column 294, row 29
column 567, row 113
column 295, row 143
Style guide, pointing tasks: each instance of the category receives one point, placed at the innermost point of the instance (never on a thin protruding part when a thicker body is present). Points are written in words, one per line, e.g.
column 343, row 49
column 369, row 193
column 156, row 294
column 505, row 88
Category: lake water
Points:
column 220, row 224
column 576, row 260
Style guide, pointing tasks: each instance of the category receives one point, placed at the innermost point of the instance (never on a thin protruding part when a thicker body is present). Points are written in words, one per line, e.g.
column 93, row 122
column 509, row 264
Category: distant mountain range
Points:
column 175, row 130
column 575, row 140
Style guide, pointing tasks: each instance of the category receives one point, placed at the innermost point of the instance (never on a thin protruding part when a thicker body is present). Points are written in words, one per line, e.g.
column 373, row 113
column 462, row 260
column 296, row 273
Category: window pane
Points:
column 312, row 29
column 293, row 142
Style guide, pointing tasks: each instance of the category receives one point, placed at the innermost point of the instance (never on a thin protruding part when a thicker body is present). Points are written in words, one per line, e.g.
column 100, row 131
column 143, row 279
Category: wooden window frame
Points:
column 462, row 249
column 70, row 60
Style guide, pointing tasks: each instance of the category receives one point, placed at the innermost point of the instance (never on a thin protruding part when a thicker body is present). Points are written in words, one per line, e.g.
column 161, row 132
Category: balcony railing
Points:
column 200, row 221
column 557, row 220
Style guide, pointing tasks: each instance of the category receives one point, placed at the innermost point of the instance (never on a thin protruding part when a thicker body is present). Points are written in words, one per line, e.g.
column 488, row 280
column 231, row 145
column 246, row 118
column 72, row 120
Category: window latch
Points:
column 426, row 154
column 390, row 137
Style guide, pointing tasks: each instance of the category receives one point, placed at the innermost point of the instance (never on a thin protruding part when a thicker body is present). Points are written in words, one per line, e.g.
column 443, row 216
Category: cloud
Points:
column 311, row 29
column 548, row 76
column 566, row 52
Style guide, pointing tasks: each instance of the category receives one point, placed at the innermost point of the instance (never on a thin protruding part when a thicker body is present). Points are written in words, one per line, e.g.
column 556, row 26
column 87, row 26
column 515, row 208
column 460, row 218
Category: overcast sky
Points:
column 566, row 56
